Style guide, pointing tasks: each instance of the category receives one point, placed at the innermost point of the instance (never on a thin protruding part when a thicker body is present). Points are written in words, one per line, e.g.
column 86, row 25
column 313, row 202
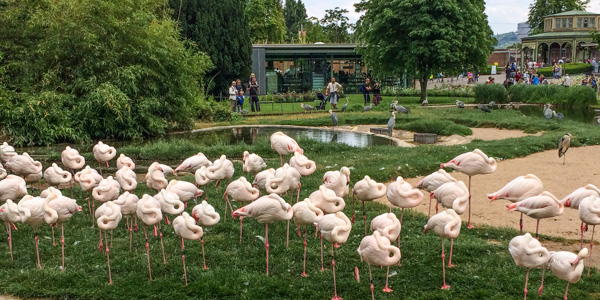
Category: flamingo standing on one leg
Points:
column 24, row 166
column 9, row 213
column 260, row 179
column 539, row 207
column 335, row 228
column 205, row 216
column 124, row 160
column 201, row 178
column 221, row 168
column 518, row 189
column 240, row 190
column 107, row 190
column 103, row 153
column 253, row 163
column 108, row 215
column 567, row 266
column 527, row 252
column 339, row 182
column 301, row 163
column 401, row 194
column 31, row 212
column 148, row 210
column 266, row 210
column 446, row 224
column 367, row 189
column 284, row 145
column 185, row 227
column 286, row 179
column 185, row 190
column 432, row 182
column 193, row 163
column 73, row 161
column 128, row 203
column 306, row 213
column 88, row 179
column 375, row 250
column 573, row 199
column 589, row 213
column 12, row 187
column 3, row 172
column 57, row 210
column 326, row 200
column 155, row 178
column 453, row 195
column 170, row 204
column 126, row 178
column 471, row 164
column 55, row 176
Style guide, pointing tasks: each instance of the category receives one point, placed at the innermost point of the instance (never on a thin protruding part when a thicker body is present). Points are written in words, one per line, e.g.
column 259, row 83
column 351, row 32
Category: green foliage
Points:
column 294, row 14
column 437, row 126
column 314, row 31
column 484, row 93
column 575, row 96
column 569, row 68
column 541, row 8
column 265, row 21
column 335, row 25
column 225, row 37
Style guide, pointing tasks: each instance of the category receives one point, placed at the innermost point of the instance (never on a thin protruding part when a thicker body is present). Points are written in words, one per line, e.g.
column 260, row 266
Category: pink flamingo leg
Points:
column 241, row 219
column 321, row 236
column 100, row 168
column 136, row 226
column 526, row 279
column 93, row 212
column 541, row 289
column 429, row 210
column 108, row 259
column 387, row 277
column 287, row 235
column 335, row 295
column 371, row 281
column 436, row 206
column 364, row 217
column 399, row 235
column 9, row 230
column 267, row 245
column 450, row 265
column 183, row 260
column 130, row 229
column 100, row 244
column 62, row 244
column 354, row 208
column 167, row 220
column 162, row 246
column 591, row 248
column 445, row 286
column 298, row 192
column 203, row 259
column 53, row 240
column 521, row 224
column 148, row 251
column 567, row 288
column 469, row 222
column 582, row 231
column 536, row 229
column 37, row 248
column 304, row 263
column 90, row 207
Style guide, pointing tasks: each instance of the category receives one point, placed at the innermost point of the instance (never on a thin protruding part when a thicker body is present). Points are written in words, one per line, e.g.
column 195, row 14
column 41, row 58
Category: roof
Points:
column 573, row 13
column 306, row 49
column 559, row 34
column 305, row 46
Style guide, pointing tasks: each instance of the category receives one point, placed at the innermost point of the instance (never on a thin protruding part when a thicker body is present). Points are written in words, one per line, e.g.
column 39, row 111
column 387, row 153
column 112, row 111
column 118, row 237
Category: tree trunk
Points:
column 423, row 82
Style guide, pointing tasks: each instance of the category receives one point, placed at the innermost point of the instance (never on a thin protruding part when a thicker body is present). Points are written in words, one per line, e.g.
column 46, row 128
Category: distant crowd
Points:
column 236, row 94
column 530, row 76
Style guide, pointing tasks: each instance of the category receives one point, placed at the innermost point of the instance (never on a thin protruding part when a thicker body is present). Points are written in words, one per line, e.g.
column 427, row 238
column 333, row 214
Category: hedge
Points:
column 484, row 93
column 570, row 68
column 575, row 96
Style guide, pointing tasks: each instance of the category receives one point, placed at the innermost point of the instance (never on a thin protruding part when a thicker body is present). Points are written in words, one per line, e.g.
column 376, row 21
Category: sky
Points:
column 503, row 15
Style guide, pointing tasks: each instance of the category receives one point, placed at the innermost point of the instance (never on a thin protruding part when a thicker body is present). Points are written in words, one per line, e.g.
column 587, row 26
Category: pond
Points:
column 582, row 115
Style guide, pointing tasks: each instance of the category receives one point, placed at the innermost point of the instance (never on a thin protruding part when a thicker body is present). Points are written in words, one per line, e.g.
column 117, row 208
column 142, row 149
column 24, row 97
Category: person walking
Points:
column 232, row 94
column 365, row 88
column 332, row 90
column 254, row 106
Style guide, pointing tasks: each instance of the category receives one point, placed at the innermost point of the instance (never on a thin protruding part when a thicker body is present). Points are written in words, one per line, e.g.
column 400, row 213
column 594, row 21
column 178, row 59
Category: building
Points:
column 282, row 68
column 522, row 31
column 503, row 56
column 566, row 36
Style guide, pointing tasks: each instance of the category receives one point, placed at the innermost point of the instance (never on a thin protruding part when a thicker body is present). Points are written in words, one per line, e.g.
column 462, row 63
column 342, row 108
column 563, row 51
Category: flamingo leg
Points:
column 321, row 236
column 582, row 231
column 387, row 277
column 241, row 219
column 9, row 230
column 108, row 259
column 203, row 259
column 354, row 208
column 436, row 207
column 429, row 211
column 183, row 260
column 167, row 220
column 53, row 240
column 111, row 237
column 148, row 251
column 136, row 226
column 304, row 262
column 536, row 229
column 100, row 243
column 541, row 289
column 130, row 229
column 100, row 168
column 287, row 235
column 90, row 208
column 281, row 159
column 267, row 245
column 567, row 288
column 371, row 281
column 591, row 248
column 450, row 265
column 93, row 212
column 62, row 244
column 37, row 248
column 162, row 246
column 298, row 192
column 364, row 217
column 445, row 286
column 399, row 235
column 521, row 224
column 335, row 295
column 526, row 279
column 469, row 221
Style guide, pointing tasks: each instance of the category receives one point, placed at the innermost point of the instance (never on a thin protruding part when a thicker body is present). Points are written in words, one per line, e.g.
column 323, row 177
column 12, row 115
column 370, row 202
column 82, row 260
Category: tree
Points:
column 225, row 37
column 265, row 20
column 541, row 8
column 295, row 16
column 314, row 31
column 420, row 37
column 335, row 25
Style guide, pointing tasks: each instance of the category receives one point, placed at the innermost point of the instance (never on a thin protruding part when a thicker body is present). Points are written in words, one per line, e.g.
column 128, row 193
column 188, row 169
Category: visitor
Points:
column 536, row 80
column 507, row 71
column 584, row 81
column 238, row 85
column 593, row 82
column 332, row 90
column 233, row 92
column 254, row 95
column 595, row 65
column 567, row 81
column 469, row 77
column 555, row 71
column 365, row 88
column 543, row 80
column 377, row 93
column 476, row 78
column 250, row 80
column 240, row 102
column 518, row 77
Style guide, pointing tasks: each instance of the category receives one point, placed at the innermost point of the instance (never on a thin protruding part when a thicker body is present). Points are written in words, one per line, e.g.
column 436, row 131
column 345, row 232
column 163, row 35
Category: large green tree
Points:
column 336, row 26
column 266, row 21
column 220, row 29
column 421, row 37
column 295, row 16
column 541, row 8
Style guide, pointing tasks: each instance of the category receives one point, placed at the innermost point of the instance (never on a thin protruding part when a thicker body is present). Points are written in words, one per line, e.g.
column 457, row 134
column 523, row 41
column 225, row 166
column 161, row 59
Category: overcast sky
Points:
column 503, row 15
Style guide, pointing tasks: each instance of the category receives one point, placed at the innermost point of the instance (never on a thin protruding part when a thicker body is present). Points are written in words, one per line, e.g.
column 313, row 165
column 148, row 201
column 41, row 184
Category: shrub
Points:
column 570, row 68
column 575, row 96
column 484, row 93
column 439, row 127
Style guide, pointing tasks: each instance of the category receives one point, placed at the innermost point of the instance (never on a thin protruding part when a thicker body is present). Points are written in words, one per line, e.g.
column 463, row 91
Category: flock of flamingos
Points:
column 322, row 209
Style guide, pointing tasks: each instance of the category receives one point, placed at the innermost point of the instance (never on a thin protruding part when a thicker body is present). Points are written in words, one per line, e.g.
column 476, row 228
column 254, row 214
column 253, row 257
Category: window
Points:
column 564, row 22
column 570, row 20
column 592, row 25
column 585, row 23
column 557, row 25
column 578, row 22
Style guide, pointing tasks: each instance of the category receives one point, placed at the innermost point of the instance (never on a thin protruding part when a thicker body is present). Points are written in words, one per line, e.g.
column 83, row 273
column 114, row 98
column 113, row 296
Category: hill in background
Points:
column 505, row 39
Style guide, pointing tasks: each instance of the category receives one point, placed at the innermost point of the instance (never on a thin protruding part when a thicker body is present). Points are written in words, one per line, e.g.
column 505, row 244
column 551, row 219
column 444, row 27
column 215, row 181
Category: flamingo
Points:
column 335, row 228
column 518, row 189
column 252, row 163
column 471, row 164
column 301, row 163
column 260, row 179
column 169, row 204
column 453, row 195
column 567, row 266
column 284, row 145
column 185, row 190
column 3, row 172
column 539, row 207
column 366, row 189
column 375, row 250
column 240, row 190
column 128, row 203
column 573, row 199
column 286, row 179
column 589, row 213
column 149, row 211
column 193, row 163
column 88, row 179
column 205, row 215
column 200, row 177
column 108, row 215
column 103, row 153
column 306, row 213
column 31, row 212
column 57, row 210
column 72, row 160
column 125, row 161
column 55, row 176
column 24, row 166
column 388, row 225
column 9, row 213
column 155, row 178
column 6, row 152
column 126, row 178
column 432, row 182
column 327, row 200
column 338, row 181
column 527, row 252
column 33, row 178
column 401, row 194
column 446, row 224
column 222, row 168
column 12, row 187
column 185, row 227
column 166, row 170
column 266, row 209
column 107, row 190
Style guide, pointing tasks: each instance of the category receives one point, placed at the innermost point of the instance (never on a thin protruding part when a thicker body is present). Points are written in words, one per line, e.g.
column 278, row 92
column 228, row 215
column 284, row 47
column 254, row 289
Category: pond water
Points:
column 583, row 115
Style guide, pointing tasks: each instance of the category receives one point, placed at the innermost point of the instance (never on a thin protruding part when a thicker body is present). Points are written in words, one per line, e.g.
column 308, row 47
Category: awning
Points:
column 588, row 45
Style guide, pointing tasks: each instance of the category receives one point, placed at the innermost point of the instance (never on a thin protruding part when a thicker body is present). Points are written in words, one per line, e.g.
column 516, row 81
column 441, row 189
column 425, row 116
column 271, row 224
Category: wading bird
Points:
column 484, row 108
column 242, row 191
column 301, row 163
column 306, row 107
column 9, row 213
column 335, row 228
column 563, row 146
column 6, row 152
column 253, row 163
column 148, row 210
column 31, row 212
column 128, row 203
column 306, row 213
column 446, row 224
column 103, row 153
column 57, row 210
column 391, row 123
column 567, row 266
column 367, row 108
column 205, row 216
column 573, row 199
column 345, row 105
column 12, row 187
column 125, row 161
column 528, row 253
column 284, row 145
column 185, row 227
column 589, row 213
column 432, row 182
column 334, row 118
column 459, row 104
column 221, row 169
column 108, row 215
column 193, row 163
column 376, row 250
column 539, row 207
column 367, row 189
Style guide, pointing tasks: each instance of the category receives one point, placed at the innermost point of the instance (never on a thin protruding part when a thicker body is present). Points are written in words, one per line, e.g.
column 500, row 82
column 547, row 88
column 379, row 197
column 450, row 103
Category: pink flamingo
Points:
column 432, row 182
column 376, row 250
column 446, row 224
column 57, row 210
column 88, row 179
column 335, row 228
column 471, row 164
column 306, row 213
column 240, row 190
column 589, row 213
column 9, row 213
column 128, row 203
column 32, row 213
column 148, row 210
column 567, row 266
column 286, row 179
column 338, row 181
column 222, row 168
column 573, row 199
column 252, row 163
column 108, row 215
column 103, row 153
column 3, row 172
column 452, row 195
column 185, row 227
column 6, row 152
column 205, row 216
column 518, row 189
column 73, row 161
column 55, row 176
column 126, row 178
column 539, row 207
column 23, row 165
column 260, row 179
column 388, row 225
column 125, row 161
column 401, row 194
column 107, row 190
column 185, row 190
column 327, row 200
column 169, row 204
column 201, row 178
column 266, row 210
column 366, row 189
column 155, row 178
column 527, row 252
column 284, row 145
column 301, row 163
column 193, row 163
column 12, row 187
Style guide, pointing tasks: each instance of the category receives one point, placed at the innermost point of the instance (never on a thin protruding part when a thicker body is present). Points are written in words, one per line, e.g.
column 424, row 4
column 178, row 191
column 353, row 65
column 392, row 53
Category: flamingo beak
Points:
column 199, row 194
column 567, row 203
column 79, row 209
column 194, row 216
column 575, row 261
column 160, row 169
column 237, row 212
column 492, row 197
column 441, row 165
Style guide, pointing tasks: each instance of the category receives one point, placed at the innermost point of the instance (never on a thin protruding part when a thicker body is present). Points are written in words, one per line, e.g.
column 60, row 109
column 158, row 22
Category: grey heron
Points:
column 558, row 115
column 563, row 146
column 547, row 112
column 334, row 118
column 484, row 108
column 244, row 112
column 367, row 108
column 491, row 104
column 459, row 104
column 393, row 105
column 306, row 107
column 425, row 102
column 401, row 109
column 345, row 105
column 391, row 123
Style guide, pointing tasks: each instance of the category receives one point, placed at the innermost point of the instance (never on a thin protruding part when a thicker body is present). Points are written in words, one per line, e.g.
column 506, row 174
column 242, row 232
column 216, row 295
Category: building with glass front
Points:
column 283, row 68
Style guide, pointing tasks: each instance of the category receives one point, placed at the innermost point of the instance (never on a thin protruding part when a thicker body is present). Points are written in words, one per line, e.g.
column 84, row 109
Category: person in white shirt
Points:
column 232, row 94
column 567, row 81
column 332, row 90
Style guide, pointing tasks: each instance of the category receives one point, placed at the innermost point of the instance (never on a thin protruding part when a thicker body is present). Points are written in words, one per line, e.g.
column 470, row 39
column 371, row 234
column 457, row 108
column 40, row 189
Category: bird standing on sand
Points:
column 447, row 225
column 527, row 252
column 563, row 146
column 567, row 266
column 589, row 213
column 539, row 207
column 431, row 182
column 573, row 199
column 334, row 118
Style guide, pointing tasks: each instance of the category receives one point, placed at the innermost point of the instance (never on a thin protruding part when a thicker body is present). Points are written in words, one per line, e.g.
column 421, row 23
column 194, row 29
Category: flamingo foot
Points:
column 451, row 265
column 336, row 245
column 470, row 226
column 336, row 297
column 539, row 290
column 445, row 287
column 303, row 274
column 387, row 289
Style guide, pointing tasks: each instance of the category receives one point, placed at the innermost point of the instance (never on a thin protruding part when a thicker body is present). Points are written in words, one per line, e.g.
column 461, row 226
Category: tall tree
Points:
column 220, row 29
column 314, row 31
column 295, row 16
column 336, row 26
column 265, row 20
column 541, row 8
column 421, row 37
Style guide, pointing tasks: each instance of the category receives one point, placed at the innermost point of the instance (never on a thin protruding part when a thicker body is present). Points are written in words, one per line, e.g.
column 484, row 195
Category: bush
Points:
column 439, row 127
column 570, row 68
column 575, row 96
column 484, row 93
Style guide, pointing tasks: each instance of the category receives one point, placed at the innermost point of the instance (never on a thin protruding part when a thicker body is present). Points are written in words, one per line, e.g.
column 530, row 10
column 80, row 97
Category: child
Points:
column 239, row 102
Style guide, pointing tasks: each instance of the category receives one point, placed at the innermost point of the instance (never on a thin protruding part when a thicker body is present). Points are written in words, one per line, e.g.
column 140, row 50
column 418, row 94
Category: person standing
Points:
column 232, row 94
column 254, row 106
column 240, row 101
column 595, row 65
column 332, row 90
column 365, row 88
column 377, row 93
column 567, row 81
column 238, row 85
